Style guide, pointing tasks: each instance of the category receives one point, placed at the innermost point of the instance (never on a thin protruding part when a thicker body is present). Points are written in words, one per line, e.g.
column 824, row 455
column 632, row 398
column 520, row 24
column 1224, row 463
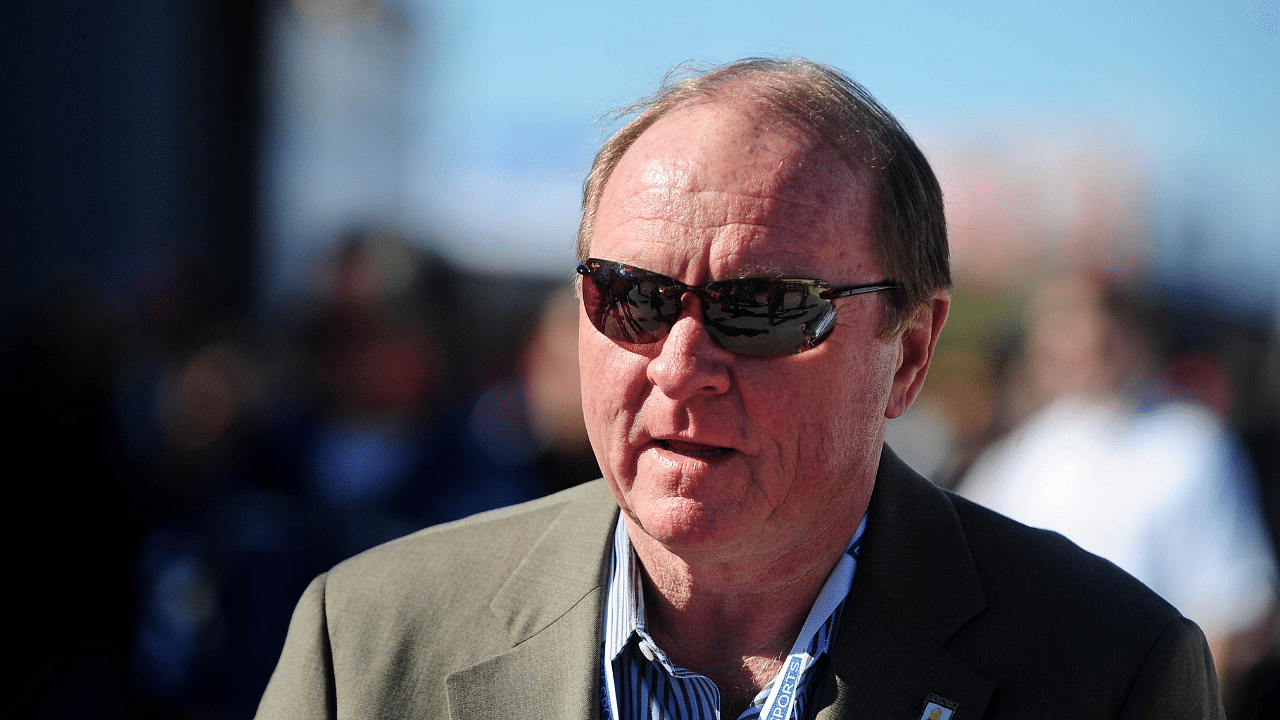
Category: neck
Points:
column 734, row 621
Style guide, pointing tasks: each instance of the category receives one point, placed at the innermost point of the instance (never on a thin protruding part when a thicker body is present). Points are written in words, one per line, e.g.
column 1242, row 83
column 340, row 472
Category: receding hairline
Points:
column 758, row 86
column 807, row 149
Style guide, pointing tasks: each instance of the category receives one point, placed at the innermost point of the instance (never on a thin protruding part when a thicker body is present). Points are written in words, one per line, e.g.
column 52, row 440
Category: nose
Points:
column 689, row 362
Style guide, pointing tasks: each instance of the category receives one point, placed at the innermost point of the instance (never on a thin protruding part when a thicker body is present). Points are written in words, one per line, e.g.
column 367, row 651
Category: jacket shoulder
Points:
column 1038, row 617
column 1059, row 619
column 1018, row 564
column 1016, row 568
column 474, row 554
column 378, row 635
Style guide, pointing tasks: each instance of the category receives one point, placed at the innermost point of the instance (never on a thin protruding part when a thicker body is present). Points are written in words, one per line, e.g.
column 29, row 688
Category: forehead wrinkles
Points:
column 805, row 198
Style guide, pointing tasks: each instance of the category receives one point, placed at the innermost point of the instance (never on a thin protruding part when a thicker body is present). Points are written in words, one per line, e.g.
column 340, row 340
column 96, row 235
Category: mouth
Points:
column 695, row 450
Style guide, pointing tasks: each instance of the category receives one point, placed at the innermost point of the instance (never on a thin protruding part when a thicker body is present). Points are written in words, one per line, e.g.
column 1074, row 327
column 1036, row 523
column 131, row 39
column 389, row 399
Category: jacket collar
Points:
column 916, row 586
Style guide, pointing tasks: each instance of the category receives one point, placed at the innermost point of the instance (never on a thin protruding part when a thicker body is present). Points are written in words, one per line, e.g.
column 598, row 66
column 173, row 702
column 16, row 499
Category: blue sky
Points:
column 504, row 94
column 933, row 57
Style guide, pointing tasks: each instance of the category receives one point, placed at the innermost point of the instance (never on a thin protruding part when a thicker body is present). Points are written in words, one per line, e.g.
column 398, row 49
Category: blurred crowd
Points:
column 190, row 473
column 179, row 476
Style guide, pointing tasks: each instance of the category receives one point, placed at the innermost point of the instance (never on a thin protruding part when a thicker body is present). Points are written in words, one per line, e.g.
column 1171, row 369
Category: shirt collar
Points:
column 624, row 610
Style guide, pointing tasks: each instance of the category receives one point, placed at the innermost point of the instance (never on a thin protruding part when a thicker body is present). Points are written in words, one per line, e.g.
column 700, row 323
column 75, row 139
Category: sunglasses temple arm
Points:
column 846, row 292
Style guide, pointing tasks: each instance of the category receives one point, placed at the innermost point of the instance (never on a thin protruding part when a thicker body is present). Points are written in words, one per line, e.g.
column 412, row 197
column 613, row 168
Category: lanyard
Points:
column 781, row 704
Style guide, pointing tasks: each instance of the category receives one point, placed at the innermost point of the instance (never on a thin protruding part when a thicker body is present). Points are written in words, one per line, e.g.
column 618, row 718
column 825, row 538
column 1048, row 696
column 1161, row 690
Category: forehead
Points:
column 728, row 188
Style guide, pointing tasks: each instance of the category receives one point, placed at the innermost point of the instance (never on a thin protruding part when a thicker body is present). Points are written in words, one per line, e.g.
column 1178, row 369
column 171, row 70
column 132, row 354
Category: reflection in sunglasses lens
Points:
column 761, row 317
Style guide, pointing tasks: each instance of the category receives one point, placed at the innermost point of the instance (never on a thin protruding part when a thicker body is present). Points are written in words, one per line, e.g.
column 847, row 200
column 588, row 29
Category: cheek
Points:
column 828, row 411
column 596, row 400
column 612, row 384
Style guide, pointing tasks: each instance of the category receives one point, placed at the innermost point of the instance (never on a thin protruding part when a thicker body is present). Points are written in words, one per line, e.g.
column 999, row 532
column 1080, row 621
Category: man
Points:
column 772, row 558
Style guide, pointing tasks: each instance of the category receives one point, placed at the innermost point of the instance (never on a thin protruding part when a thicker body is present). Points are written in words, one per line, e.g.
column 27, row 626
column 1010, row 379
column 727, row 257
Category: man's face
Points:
column 725, row 455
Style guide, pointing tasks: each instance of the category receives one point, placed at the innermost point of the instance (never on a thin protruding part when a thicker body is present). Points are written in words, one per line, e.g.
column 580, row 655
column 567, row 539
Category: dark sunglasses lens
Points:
column 627, row 305
column 755, row 316
column 768, row 318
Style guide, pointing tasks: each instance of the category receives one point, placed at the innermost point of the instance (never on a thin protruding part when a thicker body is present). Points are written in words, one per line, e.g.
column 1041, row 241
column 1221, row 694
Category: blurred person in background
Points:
column 1129, row 456
column 278, row 454
column 529, row 420
column 190, row 402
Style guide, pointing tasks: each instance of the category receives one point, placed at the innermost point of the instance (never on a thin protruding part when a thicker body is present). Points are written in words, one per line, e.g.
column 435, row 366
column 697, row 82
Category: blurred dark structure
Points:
column 128, row 139
column 130, row 125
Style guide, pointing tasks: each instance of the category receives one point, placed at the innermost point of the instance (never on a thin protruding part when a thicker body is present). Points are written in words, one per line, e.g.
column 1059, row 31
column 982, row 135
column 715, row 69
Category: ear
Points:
column 915, row 350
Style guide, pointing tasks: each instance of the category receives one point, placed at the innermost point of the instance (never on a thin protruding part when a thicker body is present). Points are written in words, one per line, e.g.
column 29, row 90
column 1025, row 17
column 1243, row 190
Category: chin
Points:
column 683, row 525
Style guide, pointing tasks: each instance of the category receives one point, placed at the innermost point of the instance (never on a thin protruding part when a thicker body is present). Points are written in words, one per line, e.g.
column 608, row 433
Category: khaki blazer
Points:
column 499, row 616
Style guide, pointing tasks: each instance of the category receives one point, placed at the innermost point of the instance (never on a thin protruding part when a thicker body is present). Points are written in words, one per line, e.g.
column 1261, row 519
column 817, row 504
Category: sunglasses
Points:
column 762, row 317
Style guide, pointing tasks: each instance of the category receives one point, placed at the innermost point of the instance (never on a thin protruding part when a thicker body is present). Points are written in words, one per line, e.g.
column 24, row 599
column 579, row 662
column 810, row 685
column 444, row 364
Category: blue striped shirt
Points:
column 648, row 686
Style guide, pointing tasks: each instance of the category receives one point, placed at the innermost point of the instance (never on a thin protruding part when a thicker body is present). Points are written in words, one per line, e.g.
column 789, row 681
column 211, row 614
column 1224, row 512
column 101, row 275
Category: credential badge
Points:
column 938, row 708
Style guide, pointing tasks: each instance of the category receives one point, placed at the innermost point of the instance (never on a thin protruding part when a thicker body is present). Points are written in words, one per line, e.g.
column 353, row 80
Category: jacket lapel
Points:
column 552, row 608
column 915, row 586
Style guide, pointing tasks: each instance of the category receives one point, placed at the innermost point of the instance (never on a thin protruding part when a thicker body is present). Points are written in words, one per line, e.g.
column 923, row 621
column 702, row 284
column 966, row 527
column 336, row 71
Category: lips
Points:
column 694, row 450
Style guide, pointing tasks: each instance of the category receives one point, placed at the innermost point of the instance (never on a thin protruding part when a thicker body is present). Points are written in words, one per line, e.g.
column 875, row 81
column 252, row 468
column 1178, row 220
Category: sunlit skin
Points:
column 742, row 479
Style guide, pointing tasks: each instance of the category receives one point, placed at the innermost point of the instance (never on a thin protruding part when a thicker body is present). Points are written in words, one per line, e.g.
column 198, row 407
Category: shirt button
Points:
column 646, row 650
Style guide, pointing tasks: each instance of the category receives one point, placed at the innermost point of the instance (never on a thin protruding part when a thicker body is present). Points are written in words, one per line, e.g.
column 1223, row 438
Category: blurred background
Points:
column 288, row 279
